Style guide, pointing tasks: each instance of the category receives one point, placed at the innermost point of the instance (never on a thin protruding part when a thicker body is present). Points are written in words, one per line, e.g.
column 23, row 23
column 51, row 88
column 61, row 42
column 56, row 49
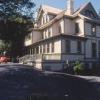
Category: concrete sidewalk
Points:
column 90, row 78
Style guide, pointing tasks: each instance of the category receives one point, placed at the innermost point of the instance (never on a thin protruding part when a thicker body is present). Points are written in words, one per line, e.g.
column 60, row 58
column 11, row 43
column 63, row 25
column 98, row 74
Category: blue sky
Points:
column 62, row 3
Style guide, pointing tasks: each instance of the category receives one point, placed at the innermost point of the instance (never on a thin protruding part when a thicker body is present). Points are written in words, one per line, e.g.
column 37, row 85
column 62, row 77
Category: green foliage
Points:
column 15, row 8
column 4, row 46
column 16, row 20
column 78, row 68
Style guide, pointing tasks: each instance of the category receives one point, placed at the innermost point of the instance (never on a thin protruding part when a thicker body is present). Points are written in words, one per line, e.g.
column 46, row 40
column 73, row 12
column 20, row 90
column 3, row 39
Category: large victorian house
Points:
column 60, row 37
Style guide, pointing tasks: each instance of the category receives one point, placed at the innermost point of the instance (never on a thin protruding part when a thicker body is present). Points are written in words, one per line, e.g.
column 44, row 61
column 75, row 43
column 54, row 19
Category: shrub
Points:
column 78, row 68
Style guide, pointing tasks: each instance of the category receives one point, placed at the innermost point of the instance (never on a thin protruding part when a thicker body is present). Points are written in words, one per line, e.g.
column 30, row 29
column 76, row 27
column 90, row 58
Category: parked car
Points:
column 4, row 59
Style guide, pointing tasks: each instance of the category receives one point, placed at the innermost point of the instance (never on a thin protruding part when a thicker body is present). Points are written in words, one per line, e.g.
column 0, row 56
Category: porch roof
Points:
column 60, row 36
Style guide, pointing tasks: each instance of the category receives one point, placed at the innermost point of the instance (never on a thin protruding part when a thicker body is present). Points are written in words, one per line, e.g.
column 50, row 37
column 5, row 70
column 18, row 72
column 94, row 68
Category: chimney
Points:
column 70, row 7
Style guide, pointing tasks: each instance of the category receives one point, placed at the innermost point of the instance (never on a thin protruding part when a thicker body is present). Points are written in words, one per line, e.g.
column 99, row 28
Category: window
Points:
column 47, row 18
column 99, row 49
column 94, row 65
column 76, row 28
column 28, row 37
column 49, row 32
column 59, row 29
column 67, row 46
column 93, row 29
column 44, row 34
column 99, row 53
column 48, row 48
column 52, row 47
column 44, row 19
column 79, row 47
column 43, row 48
column 37, row 50
column 32, row 51
column 89, row 13
column 93, row 49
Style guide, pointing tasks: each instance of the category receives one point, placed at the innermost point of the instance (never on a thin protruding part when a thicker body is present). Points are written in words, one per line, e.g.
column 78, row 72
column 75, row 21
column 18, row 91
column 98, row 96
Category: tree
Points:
column 11, row 9
column 4, row 46
column 16, row 20
column 99, row 13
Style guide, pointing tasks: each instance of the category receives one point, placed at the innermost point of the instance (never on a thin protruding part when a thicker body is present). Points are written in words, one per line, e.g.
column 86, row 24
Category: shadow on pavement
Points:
column 19, row 82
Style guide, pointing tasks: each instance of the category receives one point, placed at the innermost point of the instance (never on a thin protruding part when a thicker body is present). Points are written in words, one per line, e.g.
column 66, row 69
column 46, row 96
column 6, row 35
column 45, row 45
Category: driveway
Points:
column 22, row 82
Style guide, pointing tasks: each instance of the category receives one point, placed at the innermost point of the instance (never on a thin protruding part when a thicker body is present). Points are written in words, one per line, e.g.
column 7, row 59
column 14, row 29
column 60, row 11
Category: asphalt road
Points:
column 22, row 82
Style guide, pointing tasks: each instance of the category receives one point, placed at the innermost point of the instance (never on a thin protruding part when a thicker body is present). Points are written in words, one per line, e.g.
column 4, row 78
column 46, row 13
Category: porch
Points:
column 42, row 57
column 57, row 57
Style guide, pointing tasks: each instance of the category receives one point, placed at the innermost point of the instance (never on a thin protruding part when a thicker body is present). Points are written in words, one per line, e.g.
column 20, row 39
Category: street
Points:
column 22, row 82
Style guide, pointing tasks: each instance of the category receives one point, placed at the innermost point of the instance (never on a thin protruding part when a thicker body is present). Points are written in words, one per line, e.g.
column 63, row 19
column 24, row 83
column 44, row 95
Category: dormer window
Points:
column 47, row 18
column 28, row 37
column 93, row 29
column 44, row 17
column 89, row 13
column 49, row 32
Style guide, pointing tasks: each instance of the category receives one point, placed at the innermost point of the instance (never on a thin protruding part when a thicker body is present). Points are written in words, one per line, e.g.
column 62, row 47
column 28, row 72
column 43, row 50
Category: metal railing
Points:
column 27, row 58
column 51, row 57
column 34, row 57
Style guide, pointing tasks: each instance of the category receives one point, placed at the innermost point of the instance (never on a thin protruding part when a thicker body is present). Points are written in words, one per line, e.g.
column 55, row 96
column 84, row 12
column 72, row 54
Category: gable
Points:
column 89, row 11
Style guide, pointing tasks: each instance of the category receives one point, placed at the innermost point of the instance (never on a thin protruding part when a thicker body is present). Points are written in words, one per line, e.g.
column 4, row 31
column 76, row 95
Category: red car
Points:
column 4, row 59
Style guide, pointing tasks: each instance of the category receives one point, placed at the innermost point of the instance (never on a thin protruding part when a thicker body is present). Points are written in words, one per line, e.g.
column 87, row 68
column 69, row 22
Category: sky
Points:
column 61, row 4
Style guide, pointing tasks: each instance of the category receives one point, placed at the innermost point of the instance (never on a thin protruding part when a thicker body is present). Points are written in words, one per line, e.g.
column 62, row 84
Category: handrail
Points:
column 40, row 56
